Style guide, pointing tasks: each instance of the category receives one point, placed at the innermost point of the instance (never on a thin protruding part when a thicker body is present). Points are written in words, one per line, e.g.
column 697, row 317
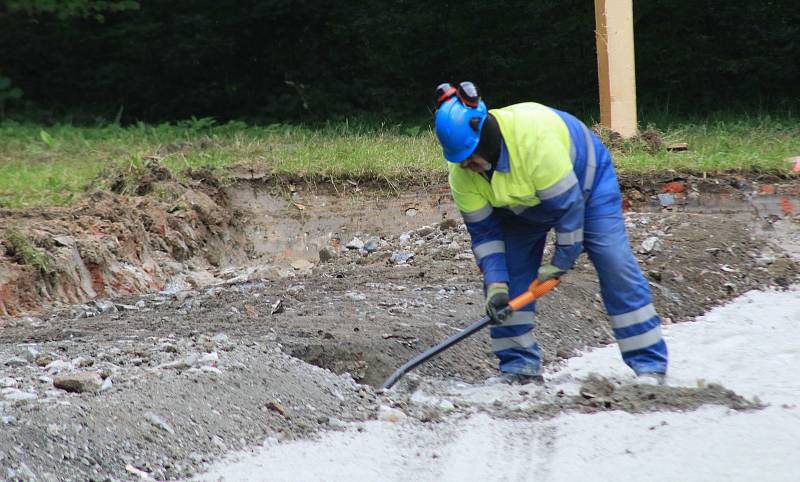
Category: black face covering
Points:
column 489, row 143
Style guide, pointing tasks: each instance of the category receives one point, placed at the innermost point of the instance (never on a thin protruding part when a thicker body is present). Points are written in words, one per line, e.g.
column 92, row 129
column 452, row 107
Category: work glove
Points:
column 496, row 300
column 549, row 271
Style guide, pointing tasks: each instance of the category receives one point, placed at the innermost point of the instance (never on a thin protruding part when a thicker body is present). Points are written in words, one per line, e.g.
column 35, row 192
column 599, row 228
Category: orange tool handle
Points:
column 535, row 291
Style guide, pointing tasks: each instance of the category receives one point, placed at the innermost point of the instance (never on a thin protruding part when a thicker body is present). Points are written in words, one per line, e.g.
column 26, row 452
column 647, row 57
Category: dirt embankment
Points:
column 110, row 245
column 255, row 283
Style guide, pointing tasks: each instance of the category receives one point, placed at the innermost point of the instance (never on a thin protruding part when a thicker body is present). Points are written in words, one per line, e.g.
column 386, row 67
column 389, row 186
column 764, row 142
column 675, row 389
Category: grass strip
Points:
column 51, row 165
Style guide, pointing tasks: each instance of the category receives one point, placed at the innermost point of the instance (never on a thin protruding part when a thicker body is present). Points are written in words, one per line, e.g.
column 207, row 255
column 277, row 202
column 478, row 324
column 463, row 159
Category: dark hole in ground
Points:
column 362, row 364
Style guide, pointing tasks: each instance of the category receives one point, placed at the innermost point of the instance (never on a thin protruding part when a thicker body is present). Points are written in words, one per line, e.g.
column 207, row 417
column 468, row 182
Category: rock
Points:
column 159, row 422
column 43, row 360
column 276, row 308
column 251, row 310
column 80, row 382
column 124, row 307
column 181, row 364
column 104, row 306
column 654, row 274
column 179, row 295
column 448, row 224
column 635, row 195
column 764, row 261
column 275, row 406
column 650, row 244
column 326, row 254
column 16, row 361
column 216, row 440
column 372, row 245
column 352, row 295
column 208, row 359
column 666, row 200
column 31, row 353
column 565, row 352
column 173, row 268
column 302, row 264
column 391, row 415
column 355, row 243
column 220, row 338
column 16, row 395
column 404, row 238
column 57, row 366
column 446, row 406
column 168, row 348
column 8, row 420
column 200, row 278
column 677, row 277
column 25, row 322
column 140, row 304
column 423, row 231
column 739, row 182
column 8, row 382
column 678, row 147
column 401, row 257
column 137, row 472
column 297, row 292
column 82, row 362
column 86, row 311
column 107, row 384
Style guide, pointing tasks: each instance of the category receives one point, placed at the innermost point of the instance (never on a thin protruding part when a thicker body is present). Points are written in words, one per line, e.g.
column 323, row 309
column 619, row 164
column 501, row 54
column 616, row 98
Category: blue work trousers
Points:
column 625, row 291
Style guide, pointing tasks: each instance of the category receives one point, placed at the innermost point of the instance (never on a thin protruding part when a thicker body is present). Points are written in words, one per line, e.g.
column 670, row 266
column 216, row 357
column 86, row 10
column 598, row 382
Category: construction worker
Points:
column 518, row 172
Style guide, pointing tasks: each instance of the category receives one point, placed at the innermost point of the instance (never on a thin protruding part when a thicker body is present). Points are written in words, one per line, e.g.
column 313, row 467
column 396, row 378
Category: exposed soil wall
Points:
column 110, row 245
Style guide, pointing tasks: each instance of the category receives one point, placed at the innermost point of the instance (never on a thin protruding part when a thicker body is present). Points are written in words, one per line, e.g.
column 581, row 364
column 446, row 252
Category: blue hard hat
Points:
column 458, row 128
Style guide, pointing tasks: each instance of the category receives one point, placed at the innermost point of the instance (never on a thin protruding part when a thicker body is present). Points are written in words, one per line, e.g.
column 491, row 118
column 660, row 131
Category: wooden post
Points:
column 616, row 65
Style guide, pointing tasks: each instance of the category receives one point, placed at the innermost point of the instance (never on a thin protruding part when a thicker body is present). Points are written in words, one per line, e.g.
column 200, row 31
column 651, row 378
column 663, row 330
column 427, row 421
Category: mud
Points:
column 598, row 394
column 428, row 400
column 207, row 306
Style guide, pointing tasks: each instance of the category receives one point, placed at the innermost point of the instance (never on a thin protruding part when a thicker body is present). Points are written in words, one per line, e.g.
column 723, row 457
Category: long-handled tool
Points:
column 535, row 291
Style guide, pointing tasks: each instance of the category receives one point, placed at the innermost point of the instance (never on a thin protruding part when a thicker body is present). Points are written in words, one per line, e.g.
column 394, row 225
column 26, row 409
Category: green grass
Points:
column 51, row 165
column 25, row 251
column 746, row 145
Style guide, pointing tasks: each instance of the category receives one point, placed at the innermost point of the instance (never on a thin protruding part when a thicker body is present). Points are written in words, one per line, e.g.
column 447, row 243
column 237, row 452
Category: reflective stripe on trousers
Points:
column 625, row 292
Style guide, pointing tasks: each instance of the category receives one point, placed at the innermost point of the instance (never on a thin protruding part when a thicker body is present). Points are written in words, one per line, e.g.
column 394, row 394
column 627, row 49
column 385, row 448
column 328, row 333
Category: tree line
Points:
column 272, row 60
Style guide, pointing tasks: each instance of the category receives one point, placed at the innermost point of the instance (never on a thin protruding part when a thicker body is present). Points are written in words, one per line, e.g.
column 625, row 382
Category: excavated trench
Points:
column 707, row 237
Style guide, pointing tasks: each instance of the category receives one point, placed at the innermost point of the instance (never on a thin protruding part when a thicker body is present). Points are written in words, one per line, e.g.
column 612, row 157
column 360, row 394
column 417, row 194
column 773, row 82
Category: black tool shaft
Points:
column 435, row 350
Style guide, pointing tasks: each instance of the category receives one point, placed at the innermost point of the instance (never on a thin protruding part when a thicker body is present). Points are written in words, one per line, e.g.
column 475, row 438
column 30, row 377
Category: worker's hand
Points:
column 496, row 300
column 549, row 271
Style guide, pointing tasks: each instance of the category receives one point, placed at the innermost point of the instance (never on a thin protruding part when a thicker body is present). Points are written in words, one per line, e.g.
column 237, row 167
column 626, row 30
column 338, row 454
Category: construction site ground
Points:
column 147, row 336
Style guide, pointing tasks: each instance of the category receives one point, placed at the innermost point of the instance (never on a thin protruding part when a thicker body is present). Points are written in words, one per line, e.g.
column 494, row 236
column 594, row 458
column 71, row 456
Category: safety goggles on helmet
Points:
column 460, row 114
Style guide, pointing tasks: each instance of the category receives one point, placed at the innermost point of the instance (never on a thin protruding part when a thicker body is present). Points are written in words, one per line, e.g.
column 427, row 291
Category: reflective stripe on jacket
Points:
column 535, row 179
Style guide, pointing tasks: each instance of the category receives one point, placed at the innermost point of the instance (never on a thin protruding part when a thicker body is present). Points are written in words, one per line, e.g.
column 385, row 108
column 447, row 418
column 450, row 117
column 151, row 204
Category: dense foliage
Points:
column 305, row 59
